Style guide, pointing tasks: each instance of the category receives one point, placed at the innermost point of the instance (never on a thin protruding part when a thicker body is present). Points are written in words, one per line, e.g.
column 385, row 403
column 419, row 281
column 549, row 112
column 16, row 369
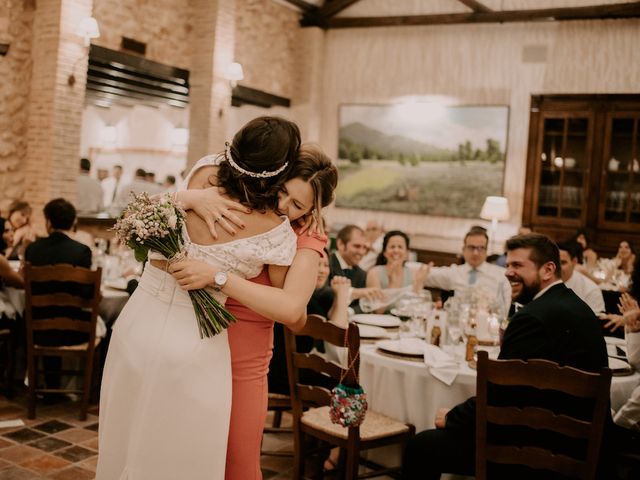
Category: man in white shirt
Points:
column 111, row 185
column 585, row 288
column 138, row 185
column 374, row 234
column 89, row 198
column 475, row 273
column 628, row 416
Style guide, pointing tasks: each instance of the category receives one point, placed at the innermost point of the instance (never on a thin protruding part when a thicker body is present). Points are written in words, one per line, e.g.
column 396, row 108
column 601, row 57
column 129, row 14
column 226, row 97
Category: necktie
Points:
column 115, row 190
column 473, row 276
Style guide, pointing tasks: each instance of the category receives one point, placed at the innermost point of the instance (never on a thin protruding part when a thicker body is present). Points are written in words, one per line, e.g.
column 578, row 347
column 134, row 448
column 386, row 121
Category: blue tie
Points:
column 473, row 276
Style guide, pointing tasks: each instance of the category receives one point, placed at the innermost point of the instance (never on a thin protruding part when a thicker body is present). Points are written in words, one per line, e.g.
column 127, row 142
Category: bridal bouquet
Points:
column 156, row 224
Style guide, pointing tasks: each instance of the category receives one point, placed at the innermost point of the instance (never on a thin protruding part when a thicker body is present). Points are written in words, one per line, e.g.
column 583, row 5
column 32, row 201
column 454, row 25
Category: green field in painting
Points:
column 451, row 189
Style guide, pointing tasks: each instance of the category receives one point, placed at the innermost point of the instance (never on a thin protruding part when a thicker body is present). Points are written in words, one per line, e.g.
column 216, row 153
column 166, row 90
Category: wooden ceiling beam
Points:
column 334, row 7
column 593, row 12
column 475, row 6
column 302, row 5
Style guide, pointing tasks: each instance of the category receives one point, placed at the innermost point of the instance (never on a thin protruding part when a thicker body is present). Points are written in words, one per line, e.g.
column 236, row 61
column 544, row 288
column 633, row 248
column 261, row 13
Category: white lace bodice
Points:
column 245, row 256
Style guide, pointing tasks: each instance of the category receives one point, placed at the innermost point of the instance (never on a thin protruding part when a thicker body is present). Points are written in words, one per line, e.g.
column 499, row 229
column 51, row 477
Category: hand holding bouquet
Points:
column 156, row 224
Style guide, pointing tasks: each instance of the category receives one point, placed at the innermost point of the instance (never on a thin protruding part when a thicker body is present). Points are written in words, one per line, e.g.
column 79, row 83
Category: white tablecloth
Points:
column 405, row 390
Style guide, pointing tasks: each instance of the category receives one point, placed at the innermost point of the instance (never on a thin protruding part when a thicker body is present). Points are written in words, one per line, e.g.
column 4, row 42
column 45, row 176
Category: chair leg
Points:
column 86, row 390
column 298, row 454
column 353, row 462
column 11, row 366
column 277, row 419
column 31, row 378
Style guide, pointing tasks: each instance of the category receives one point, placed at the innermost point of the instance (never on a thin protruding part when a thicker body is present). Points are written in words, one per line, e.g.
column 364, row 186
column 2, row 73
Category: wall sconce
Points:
column 494, row 209
column 234, row 73
column 87, row 29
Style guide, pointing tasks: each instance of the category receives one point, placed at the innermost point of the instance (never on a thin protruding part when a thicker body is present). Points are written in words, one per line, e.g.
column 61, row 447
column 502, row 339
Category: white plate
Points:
column 15, row 265
column 412, row 347
column 615, row 341
column 369, row 331
column 376, row 320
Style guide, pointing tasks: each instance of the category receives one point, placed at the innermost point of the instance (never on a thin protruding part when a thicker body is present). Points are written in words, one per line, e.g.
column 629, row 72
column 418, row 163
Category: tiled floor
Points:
column 56, row 445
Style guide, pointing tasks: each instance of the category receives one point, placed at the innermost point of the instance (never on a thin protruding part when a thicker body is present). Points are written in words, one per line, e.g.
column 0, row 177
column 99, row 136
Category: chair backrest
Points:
column 549, row 378
column 60, row 307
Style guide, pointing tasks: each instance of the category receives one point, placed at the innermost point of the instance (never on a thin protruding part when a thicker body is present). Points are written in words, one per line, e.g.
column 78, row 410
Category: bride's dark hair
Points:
column 263, row 144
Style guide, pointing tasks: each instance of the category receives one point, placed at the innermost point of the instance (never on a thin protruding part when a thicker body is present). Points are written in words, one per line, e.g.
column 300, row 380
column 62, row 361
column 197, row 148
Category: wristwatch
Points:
column 219, row 280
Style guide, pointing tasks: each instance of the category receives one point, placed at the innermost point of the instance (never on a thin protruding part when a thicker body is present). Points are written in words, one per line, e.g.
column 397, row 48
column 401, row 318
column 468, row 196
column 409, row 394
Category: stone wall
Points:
column 15, row 71
column 164, row 25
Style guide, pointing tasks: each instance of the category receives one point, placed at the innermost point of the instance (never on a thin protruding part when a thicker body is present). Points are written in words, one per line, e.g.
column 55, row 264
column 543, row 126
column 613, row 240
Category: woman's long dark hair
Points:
column 263, row 144
column 382, row 260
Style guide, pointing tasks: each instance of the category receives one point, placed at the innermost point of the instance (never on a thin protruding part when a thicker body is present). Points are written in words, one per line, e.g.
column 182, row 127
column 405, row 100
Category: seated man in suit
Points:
column 351, row 243
column 554, row 324
column 60, row 216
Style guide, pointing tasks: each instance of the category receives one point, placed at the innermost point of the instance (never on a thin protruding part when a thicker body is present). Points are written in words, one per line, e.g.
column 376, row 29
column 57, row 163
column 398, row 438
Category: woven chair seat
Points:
column 375, row 425
column 79, row 347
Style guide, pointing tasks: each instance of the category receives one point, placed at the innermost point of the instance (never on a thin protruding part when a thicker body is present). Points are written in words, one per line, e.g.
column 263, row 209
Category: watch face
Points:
column 220, row 278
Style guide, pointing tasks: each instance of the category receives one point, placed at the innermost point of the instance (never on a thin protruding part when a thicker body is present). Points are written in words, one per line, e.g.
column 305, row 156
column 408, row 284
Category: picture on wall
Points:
column 422, row 158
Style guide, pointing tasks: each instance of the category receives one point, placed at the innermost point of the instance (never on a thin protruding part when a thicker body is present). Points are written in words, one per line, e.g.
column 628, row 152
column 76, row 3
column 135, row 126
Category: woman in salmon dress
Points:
column 308, row 187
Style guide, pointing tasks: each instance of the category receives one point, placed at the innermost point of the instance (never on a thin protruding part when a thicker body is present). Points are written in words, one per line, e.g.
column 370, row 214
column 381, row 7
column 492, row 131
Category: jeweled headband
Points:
column 263, row 174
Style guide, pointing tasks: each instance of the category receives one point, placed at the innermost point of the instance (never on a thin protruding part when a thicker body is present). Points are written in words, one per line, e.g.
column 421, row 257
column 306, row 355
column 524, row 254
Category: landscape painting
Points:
column 423, row 158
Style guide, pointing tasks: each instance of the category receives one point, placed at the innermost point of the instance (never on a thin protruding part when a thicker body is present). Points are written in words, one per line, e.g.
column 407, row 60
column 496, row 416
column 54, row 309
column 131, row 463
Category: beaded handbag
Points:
column 348, row 405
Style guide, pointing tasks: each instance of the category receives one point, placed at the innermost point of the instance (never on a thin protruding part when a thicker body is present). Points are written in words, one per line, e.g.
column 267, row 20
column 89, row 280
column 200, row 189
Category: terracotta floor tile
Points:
column 73, row 473
column 93, row 427
column 24, row 435
column 73, row 419
column 76, row 435
column 19, row 453
column 17, row 473
column 75, row 453
column 52, row 426
column 12, row 411
column 4, row 464
column 4, row 443
column 49, row 444
column 46, row 464
column 90, row 464
column 92, row 444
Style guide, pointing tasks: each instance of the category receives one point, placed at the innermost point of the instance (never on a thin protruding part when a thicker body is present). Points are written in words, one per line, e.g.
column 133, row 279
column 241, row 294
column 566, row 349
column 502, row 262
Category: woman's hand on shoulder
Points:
column 192, row 274
column 214, row 209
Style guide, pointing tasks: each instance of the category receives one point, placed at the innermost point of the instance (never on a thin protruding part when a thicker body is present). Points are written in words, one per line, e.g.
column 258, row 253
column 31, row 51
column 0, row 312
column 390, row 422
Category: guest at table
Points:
column 111, row 186
column 6, row 239
column 90, row 194
column 588, row 258
column 475, row 273
column 554, row 324
column 58, row 247
column 23, row 233
column 138, row 185
column 587, row 290
column 628, row 416
column 626, row 257
column 351, row 243
column 391, row 270
column 613, row 321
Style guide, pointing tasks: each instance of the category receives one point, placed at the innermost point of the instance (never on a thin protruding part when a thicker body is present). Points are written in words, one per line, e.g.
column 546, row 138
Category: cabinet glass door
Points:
column 564, row 159
column 621, row 170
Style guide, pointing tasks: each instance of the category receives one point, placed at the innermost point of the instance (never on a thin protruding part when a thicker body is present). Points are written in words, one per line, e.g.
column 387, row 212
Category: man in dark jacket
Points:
column 58, row 248
column 555, row 324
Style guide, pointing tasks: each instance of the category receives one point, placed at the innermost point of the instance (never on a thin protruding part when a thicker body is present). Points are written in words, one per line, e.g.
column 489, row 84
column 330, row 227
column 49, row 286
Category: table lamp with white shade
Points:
column 495, row 209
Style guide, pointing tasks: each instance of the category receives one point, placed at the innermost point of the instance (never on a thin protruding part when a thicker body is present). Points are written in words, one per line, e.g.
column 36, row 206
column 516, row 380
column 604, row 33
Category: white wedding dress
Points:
column 166, row 393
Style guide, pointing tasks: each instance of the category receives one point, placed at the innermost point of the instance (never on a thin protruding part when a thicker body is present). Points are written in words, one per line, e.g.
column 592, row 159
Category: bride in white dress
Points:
column 166, row 393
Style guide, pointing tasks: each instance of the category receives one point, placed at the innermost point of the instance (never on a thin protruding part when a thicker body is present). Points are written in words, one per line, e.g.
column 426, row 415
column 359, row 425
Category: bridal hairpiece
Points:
column 263, row 174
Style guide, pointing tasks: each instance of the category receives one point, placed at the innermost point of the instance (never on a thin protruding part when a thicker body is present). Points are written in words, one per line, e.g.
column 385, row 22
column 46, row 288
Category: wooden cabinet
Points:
column 583, row 168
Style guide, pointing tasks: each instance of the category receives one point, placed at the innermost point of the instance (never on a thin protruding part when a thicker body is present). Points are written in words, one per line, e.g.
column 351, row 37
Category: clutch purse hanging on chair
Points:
column 348, row 405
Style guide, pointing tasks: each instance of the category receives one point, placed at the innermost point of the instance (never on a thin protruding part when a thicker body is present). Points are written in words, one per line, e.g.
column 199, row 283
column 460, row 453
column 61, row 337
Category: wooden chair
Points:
column 278, row 403
column 82, row 279
column 377, row 430
column 547, row 376
column 8, row 351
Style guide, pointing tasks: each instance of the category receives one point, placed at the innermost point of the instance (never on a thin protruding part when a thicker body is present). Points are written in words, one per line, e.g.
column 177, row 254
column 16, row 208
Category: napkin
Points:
column 441, row 365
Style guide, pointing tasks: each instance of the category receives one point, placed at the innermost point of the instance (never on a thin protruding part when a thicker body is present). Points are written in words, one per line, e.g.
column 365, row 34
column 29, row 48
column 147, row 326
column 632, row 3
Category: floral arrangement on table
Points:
column 156, row 224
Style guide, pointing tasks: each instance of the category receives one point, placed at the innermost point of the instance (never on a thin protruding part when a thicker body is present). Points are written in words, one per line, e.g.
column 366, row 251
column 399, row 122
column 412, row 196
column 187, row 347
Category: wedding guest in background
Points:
column 628, row 416
column 474, row 273
column 390, row 270
column 586, row 289
column 23, row 233
column 138, row 185
column 150, row 177
column 169, row 183
column 589, row 257
column 111, row 185
column 90, row 194
column 6, row 239
column 351, row 244
column 102, row 174
column 373, row 232
column 625, row 257
column 614, row 322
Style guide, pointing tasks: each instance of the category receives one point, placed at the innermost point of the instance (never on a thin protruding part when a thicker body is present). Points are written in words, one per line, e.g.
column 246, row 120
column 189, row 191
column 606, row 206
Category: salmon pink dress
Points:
column 251, row 344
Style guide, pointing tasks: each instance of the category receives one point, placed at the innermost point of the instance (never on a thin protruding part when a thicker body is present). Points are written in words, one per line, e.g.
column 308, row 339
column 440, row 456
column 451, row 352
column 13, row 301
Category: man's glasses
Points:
column 474, row 248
